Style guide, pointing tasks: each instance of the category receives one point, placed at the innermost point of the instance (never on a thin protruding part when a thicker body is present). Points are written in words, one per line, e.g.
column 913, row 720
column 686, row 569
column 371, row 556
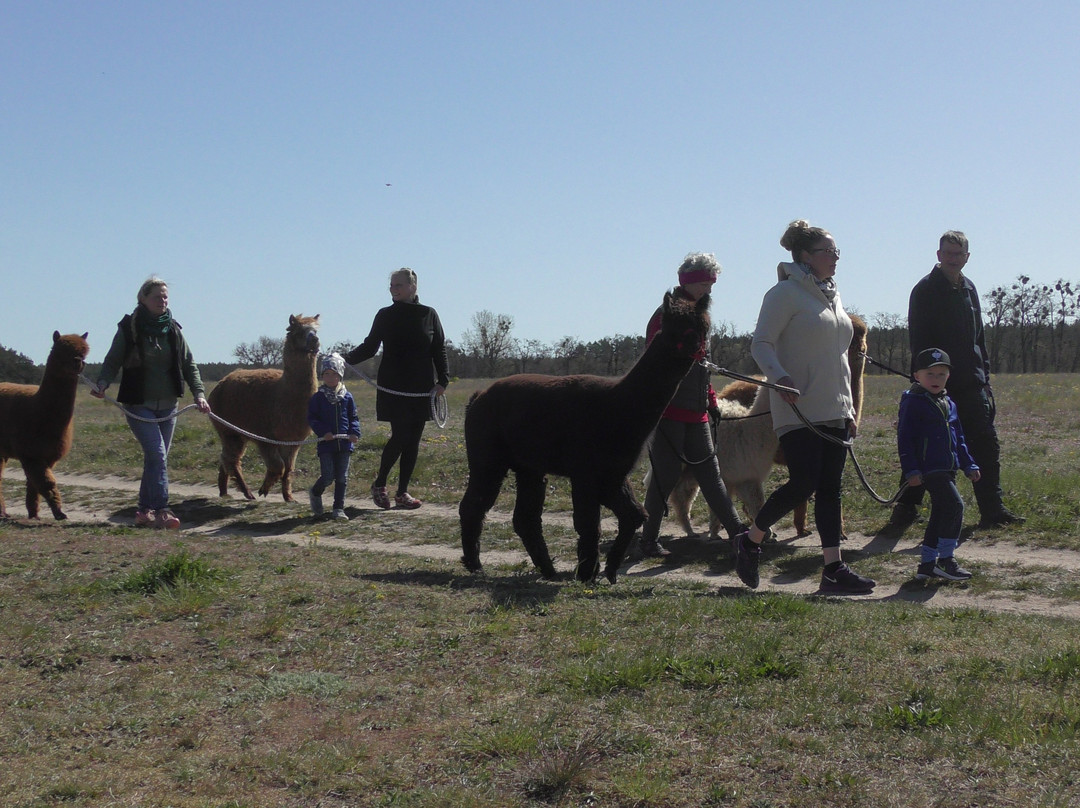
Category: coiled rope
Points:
column 440, row 410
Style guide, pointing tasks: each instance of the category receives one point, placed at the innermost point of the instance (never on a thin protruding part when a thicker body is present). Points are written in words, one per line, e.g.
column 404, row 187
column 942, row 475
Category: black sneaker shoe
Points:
column 903, row 516
column 925, row 570
column 654, row 549
column 1001, row 518
column 747, row 556
column 845, row 582
column 948, row 569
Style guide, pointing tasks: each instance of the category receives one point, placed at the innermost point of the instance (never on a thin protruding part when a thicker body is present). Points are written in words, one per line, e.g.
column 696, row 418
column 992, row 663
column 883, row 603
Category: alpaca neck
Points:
column 56, row 393
column 652, row 382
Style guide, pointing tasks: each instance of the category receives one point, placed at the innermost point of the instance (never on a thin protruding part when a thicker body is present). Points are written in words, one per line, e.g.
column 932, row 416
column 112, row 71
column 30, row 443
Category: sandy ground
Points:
column 998, row 551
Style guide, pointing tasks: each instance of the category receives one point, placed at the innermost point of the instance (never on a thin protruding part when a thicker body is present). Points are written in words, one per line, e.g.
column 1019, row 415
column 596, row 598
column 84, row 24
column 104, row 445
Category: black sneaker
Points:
column 652, row 548
column 747, row 556
column 1001, row 518
column 948, row 569
column 925, row 570
column 903, row 516
column 845, row 582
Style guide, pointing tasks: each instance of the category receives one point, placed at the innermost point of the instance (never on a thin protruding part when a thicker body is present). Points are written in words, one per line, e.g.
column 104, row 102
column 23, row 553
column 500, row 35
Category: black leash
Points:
column 883, row 366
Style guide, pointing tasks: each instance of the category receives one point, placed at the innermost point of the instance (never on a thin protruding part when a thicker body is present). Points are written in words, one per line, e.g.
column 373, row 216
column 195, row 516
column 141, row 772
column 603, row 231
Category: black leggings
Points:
column 817, row 467
column 404, row 443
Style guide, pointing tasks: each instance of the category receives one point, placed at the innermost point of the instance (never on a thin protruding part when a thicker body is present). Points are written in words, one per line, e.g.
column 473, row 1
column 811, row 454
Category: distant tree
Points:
column 528, row 352
column 490, row 340
column 887, row 342
column 266, row 352
column 15, row 367
column 567, row 350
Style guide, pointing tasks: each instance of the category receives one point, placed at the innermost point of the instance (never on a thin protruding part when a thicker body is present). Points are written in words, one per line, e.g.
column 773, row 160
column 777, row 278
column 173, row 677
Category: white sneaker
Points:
column 340, row 515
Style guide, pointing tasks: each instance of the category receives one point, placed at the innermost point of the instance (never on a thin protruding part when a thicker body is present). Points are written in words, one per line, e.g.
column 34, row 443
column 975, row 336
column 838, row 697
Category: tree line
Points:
column 1030, row 328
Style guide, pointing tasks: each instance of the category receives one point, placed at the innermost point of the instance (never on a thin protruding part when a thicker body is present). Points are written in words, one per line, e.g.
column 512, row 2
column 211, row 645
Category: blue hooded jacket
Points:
column 334, row 414
column 927, row 438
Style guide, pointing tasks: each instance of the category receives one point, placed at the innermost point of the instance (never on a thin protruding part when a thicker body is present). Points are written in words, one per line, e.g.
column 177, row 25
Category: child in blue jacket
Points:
column 931, row 443
column 332, row 412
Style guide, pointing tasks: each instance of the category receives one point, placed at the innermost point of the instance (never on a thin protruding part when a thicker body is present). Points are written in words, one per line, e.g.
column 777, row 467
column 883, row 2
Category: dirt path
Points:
column 996, row 552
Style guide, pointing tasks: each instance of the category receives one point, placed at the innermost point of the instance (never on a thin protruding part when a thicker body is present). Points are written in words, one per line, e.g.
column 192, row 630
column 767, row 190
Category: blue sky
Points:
column 552, row 161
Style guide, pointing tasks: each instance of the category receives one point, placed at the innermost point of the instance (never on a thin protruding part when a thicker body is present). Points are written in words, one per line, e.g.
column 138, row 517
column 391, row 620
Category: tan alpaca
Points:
column 272, row 404
column 747, row 446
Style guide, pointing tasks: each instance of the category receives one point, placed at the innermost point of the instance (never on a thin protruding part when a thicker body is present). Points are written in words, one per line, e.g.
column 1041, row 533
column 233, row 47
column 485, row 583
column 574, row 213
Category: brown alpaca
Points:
column 747, row 447
column 589, row 428
column 36, row 422
column 269, row 403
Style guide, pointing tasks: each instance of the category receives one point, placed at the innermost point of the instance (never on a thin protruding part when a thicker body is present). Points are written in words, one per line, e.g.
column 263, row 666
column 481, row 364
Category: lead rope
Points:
column 440, row 410
column 847, row 444
column 218, row 418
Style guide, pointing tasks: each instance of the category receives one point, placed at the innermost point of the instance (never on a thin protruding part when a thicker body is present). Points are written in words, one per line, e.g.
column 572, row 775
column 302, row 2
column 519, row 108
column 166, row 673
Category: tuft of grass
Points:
column 175, row 570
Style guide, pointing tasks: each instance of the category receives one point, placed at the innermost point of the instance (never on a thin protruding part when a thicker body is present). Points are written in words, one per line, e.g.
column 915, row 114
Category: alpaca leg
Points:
column 631, row 516
column 275, row 467
column 682, row 499
column 288, row 456
column 798, row 516
column 587, row 524
column 480, row 495
column 232, row 457
column 531, row 490
column 3, row 507
column 40, row 482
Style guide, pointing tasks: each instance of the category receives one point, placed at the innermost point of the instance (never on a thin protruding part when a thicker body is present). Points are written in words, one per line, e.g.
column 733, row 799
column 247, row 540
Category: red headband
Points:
column 696, row 276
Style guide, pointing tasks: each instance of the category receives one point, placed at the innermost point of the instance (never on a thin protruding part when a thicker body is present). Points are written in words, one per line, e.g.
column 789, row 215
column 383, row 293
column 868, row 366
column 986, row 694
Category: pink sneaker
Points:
column 407, row 501
column 380, row 497
column 144, row 518
column 166, row 520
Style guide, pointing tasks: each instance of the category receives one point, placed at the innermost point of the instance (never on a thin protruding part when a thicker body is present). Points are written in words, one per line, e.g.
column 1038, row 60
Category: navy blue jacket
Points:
column 334, row 417
column 926, row 438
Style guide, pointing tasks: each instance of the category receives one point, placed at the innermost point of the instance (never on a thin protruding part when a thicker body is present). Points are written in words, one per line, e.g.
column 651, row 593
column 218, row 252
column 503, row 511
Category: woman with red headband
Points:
column 683, row 437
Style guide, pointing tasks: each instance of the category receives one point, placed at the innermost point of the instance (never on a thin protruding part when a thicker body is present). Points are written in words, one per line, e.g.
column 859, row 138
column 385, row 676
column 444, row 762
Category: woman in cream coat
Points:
column 801, row 341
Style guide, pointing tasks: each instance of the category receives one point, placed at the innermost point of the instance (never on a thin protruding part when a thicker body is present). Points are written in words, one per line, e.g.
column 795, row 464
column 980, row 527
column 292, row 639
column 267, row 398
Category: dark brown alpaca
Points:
column 36, row 422
column 269, row 403
column 591, row 429
column 748, row 447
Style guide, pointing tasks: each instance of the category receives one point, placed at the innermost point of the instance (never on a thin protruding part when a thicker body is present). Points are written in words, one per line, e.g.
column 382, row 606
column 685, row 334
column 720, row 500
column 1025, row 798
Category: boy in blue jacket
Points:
column 930, row 440
column 332, row 412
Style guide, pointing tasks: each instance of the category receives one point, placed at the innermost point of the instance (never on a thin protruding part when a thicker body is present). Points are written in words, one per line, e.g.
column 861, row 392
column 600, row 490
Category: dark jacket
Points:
column 942, row 316
column 929, row 436
column 126, row 357
column 334, row 417
column 413, row 359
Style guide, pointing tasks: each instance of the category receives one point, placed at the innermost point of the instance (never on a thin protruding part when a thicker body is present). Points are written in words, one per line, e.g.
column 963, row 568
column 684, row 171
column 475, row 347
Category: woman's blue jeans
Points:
column 155, row 439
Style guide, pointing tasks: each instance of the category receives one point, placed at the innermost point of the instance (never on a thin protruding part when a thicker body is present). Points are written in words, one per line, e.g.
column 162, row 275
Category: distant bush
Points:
column 14, row 367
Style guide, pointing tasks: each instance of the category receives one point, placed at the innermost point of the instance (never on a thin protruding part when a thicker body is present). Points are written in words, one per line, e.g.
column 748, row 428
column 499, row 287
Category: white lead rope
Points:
column 214, row 416
column 440, row 410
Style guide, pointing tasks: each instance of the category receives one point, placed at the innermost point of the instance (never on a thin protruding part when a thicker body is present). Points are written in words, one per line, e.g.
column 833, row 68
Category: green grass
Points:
column 140, row 668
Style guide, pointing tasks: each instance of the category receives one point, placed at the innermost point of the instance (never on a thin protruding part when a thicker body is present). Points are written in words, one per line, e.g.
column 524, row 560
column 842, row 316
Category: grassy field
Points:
column 227, row 670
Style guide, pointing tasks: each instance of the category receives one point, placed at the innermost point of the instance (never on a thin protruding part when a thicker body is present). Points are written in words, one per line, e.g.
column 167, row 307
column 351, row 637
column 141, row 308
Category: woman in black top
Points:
column 413, row 361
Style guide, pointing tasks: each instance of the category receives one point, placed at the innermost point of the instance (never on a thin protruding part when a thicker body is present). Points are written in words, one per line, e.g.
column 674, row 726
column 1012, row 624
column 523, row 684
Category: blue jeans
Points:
column 334, row 467
column 946, row 508
column 155, row 439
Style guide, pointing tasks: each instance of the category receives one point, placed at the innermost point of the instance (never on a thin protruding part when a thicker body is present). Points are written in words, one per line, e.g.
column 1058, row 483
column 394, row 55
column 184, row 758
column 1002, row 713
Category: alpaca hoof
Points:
column 612, row 574
column 60, row 516
column 588, row 571
column 548, row 573
column 472, row 564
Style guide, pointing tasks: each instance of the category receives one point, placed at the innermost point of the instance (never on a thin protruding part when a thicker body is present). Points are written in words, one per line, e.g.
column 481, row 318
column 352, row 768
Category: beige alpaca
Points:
column 272, row 404
column 747, row 446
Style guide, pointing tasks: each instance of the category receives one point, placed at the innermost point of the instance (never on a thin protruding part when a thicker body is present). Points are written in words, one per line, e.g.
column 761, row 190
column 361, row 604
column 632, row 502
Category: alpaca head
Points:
column 686, row 324
column 68, row 353
column 301, row 336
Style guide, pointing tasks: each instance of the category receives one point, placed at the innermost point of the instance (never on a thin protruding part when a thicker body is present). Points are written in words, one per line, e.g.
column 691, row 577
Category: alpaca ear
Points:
column 85, row 334
column 55, row 337
column 292, row 319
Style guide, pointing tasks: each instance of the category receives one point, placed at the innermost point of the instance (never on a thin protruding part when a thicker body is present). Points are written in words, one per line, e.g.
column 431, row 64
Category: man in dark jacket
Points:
column 944, row 312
